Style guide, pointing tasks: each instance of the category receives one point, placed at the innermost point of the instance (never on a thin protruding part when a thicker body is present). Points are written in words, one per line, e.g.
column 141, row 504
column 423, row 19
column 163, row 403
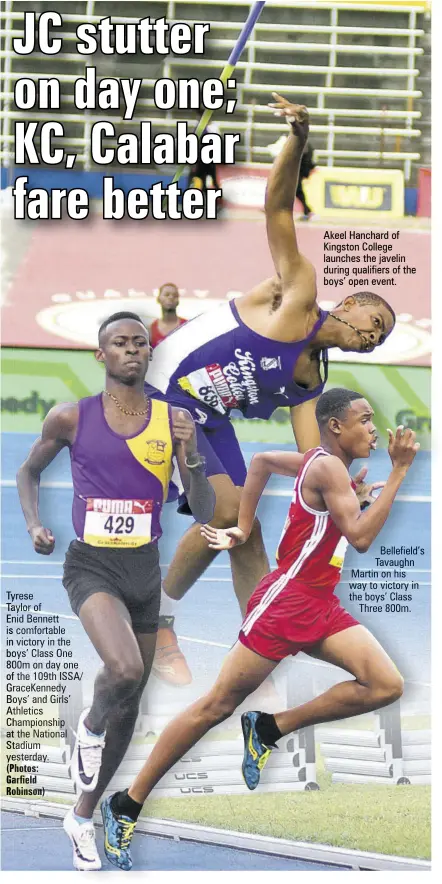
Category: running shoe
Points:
column 82, row 835
column 86, row 757
column 169, row 662
column 118, row 833
column 256, row 754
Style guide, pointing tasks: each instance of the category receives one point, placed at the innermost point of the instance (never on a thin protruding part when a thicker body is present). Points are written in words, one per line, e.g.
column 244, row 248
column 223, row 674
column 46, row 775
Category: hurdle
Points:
column 211, row 767
column 387, row 755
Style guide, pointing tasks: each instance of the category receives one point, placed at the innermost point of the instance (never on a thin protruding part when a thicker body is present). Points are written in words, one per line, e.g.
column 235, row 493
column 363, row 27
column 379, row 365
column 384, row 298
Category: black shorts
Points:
column 131, row 575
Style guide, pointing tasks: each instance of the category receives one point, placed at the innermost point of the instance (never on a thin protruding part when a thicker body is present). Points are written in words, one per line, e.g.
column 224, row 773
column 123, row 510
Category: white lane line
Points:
column 184, row 638
column 268, row 492
column 39, row 563
column 53, row 562
column 59, row 577
column 42, row 562
column 203, row 641
column 11, row 483
column 200, row 580
column 32, row 576
column 35, row 829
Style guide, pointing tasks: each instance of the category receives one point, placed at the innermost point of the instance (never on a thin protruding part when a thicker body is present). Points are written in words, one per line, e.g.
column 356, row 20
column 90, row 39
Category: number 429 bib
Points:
column 121, row 524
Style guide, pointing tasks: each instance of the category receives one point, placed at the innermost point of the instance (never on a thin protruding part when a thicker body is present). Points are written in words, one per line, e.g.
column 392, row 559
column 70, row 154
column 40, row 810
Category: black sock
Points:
column 267, row 729
column 123, row 805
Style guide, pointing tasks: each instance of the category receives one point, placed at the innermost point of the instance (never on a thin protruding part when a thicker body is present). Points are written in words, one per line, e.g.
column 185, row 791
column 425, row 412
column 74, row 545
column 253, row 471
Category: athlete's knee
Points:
column 217, row 706
column 392, row 687
column 226, row 514
column 128, row 674
column 387, row 687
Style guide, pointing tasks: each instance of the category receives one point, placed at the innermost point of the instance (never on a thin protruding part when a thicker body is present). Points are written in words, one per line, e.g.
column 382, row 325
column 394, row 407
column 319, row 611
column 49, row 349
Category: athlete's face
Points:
column 372, row 325
column 169, row 297
column 125, row 351
column 357, row 431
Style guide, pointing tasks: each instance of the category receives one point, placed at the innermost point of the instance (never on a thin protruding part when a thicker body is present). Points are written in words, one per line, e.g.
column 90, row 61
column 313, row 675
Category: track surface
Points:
column 23, row 838
column 208, row 621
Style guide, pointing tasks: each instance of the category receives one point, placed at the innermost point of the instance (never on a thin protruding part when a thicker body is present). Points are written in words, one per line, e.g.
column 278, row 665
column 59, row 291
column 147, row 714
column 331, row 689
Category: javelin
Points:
column 229, row 67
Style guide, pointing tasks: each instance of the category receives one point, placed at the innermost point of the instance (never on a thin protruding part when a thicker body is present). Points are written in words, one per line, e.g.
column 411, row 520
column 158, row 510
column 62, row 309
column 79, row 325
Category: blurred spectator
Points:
column 203, row 175
column 168, row 300
column 307, row 165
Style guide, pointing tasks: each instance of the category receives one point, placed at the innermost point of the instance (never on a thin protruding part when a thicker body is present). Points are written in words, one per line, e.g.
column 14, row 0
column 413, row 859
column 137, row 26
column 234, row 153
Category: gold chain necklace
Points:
column 126, row 410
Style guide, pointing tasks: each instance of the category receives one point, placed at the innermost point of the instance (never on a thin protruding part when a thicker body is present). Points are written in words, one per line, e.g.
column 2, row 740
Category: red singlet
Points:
column 156, row 336
column 294, row 607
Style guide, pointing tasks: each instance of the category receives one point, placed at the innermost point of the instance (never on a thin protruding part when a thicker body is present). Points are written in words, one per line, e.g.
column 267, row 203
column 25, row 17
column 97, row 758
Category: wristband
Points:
column 195, row 461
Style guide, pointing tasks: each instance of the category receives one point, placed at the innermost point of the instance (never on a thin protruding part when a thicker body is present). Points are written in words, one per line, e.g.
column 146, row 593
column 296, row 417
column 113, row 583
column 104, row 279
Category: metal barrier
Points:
column 341, row 80
column 388, row 755
column 211, row 767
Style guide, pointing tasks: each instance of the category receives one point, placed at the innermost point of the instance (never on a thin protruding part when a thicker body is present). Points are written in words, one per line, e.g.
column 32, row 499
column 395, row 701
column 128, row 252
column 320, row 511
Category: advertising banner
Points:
column 356, row 193
column 36, row 380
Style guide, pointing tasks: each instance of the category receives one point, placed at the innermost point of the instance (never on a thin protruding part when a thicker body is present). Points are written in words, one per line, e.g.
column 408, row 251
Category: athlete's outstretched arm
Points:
column 58, row 430
column 284, row 463
column 297, row 274
column 361, row 528
column 200, row 494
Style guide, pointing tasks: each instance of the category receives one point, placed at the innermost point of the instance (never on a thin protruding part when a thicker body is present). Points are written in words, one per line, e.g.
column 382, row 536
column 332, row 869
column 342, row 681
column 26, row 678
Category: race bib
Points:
column 337, row 559
column 201, row 385
column 120, row 524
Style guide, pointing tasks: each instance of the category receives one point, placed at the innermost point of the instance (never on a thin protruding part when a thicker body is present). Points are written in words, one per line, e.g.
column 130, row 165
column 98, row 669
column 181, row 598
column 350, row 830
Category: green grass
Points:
column 384, row 819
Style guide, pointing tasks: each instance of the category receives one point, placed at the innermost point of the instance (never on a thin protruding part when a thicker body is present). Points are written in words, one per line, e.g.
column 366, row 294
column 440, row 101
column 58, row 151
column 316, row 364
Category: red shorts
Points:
column 280, row 624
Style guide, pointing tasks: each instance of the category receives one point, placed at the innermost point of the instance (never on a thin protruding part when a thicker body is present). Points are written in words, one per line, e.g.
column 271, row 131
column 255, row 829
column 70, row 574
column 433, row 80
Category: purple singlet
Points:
column 120, row 482
column 219, row 361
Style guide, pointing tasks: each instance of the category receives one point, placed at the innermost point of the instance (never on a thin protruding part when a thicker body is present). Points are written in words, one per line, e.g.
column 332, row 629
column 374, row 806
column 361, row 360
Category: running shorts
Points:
column 280, row 624
column 131, row 575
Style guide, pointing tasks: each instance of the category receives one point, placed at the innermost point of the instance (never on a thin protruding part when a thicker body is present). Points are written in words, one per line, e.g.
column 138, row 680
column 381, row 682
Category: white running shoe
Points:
column 82, row 835
column 86, row 757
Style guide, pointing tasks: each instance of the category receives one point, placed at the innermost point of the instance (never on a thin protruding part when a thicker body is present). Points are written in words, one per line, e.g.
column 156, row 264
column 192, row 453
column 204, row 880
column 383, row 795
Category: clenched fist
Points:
column 184, row 431
column 43, row 540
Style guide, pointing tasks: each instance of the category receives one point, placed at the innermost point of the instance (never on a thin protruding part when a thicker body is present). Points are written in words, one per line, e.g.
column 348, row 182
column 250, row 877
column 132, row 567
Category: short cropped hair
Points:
column 372, row 298
column 334, row 403
column 123, row 314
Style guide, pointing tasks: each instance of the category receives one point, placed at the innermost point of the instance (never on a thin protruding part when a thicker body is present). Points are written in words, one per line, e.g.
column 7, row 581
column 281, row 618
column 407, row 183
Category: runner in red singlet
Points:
column 160, row 329
column 294, row 608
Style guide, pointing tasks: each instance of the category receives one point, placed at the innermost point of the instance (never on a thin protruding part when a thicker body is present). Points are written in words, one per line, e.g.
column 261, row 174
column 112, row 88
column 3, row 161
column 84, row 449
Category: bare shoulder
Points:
column 61, row 421
column 327, row 471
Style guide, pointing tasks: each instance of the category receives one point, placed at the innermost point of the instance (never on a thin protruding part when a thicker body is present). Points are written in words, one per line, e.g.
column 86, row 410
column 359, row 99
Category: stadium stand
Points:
column 360, row 68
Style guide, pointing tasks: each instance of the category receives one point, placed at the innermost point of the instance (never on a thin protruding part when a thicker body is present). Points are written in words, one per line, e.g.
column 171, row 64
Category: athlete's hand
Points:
column 43, row 540
column 364, row 490
column 402, row 447
column 295, row 114
column 184, row 432
column 220, row 538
